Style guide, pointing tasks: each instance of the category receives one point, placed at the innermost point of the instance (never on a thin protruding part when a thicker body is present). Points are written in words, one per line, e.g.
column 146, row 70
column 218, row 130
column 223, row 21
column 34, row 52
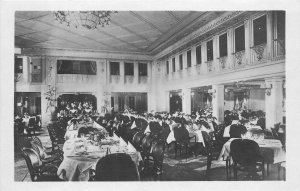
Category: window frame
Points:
column 219, row 36
column 180, row 61
column 139, row 68
column 189, row 58
column 234, row 39
column 211, row 40
column 126, row 69
column 197, row 63
column 253, row 34
column 173, row 64
column 110, row 68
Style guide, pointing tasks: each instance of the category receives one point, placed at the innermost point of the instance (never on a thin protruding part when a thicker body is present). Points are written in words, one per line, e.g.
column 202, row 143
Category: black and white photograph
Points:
column 126, row 95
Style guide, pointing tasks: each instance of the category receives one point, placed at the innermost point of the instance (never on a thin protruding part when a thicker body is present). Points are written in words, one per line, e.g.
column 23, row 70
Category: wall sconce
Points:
column 268, row 89
column 212, row 92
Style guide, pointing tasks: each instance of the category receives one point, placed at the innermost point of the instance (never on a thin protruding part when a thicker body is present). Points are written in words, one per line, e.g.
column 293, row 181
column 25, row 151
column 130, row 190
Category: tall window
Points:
column 180, row 62
column 129, row 71
column 76, row 67
column 114, row 68
column 198, row 54
column 173, row 64
column 189, row 58
column 280, row 24
column 143, row 69
column 239, row 38
column 168, row 67
column 223, row 45
column 18, row 65
column 210, row 53
column 260, row 30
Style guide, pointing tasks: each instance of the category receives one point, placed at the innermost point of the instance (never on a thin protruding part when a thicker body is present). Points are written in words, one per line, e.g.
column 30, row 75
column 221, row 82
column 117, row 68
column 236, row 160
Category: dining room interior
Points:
column 149, row 96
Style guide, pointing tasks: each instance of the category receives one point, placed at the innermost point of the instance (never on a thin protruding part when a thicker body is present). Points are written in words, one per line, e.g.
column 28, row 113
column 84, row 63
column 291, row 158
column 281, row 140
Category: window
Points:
column 198, row 54
column 223, row 45
column 180, row 62
column 280, row 24
column 143, row 69
column 114, row 68
column 168, row 67
column 239, row 38
column 129, row 71
column 131, row 103
column 173, row 64
column 260, row 30
column 76, row 67
column 18, row 65
column 189, row 58
column 210, row 53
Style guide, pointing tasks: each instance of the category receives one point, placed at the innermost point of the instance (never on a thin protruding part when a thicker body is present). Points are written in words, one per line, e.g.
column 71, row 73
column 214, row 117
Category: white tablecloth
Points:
column 77, row 164
column 274, row 144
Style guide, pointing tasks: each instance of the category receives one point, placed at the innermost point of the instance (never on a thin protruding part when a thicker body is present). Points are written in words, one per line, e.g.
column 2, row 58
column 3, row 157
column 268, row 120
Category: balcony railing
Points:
column 210, row 67
column 223, row 63
column 129, row 79
column 259, row 54
column 239, row 59
column 114, row 79
column 76, row 78
column 143, row 79
column 278, row 49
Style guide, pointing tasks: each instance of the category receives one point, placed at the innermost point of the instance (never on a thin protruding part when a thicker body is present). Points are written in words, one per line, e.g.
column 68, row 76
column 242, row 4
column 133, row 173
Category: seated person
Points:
column 237, row 130
column 261, row 122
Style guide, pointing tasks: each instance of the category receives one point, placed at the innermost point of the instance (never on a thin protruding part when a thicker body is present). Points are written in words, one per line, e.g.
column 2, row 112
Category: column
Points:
column 269, row 35
column 218, row 102
column 203, row 58
column 248, row 40
column 230, row 48
column 122, row 73
column 186, row 100
column 136, row 72
column 215, row 53
column 274, row 106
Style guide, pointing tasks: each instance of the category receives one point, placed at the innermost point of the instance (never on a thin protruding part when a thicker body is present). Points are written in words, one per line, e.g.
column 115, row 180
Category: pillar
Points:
column 269, row 35
column 248, row 40
column 218, row 102
column 274, row 106
column 122, row 73
column 186, row 100
column 136, row 72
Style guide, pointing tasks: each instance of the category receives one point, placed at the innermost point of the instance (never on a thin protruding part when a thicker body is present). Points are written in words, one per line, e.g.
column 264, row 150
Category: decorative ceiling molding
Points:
column 202, row 33
column 172, row 33
column 84, row 54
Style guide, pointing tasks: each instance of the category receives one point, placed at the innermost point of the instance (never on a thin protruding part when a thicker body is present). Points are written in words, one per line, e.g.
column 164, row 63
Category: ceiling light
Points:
column 86, row 19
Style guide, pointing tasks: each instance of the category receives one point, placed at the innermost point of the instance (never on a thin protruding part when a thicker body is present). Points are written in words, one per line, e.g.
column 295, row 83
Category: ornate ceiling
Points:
column 142, row 32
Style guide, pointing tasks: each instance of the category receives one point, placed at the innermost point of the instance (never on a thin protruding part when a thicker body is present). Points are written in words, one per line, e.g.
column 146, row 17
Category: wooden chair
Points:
column 116, row 167
column 55, row 158
column 38, row 171
column 246, row 156
column 182, row 139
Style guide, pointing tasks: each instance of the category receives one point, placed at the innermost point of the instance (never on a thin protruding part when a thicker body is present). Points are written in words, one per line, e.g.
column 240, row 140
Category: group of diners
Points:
column 27, row 124
column 150, row 133
column 78, row 108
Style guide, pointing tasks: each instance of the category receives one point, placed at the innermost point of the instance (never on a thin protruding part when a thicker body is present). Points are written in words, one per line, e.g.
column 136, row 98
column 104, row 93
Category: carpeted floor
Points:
column 192, row 168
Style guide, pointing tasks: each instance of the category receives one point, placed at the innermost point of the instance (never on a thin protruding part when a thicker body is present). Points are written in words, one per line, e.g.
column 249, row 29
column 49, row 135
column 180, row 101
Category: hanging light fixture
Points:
column 87, row 19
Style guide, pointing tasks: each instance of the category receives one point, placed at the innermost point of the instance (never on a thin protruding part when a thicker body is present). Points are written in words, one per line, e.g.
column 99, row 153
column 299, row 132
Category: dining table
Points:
column 82, row 154
column 271, row 150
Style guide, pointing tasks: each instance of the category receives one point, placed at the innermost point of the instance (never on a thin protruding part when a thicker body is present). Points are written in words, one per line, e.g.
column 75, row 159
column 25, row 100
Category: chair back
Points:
column 116, row 167
column 137, row 139
column 31, row 121
column 237, row 130
column 147, row 143
column 181, row 135
column 39, row 150
column 245, row 152
column 275, row 134
column 37, row 141
column 33, row 162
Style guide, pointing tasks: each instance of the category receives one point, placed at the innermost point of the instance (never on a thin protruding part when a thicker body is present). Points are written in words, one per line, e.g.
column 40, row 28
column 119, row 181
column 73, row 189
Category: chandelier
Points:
column 86, row 19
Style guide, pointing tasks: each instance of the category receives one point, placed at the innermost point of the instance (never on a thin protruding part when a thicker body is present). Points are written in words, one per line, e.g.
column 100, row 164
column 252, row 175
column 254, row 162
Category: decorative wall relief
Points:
column 222, row 62
column 239, row 58
column 259, row 50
